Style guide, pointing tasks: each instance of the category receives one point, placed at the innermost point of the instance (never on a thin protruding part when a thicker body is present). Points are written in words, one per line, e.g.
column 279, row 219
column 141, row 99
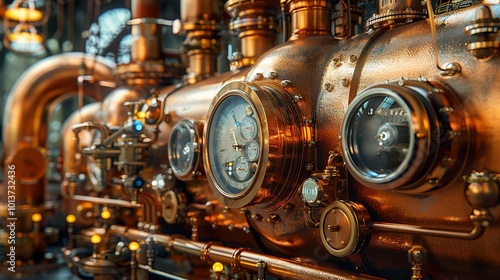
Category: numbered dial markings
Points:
column 234, row 144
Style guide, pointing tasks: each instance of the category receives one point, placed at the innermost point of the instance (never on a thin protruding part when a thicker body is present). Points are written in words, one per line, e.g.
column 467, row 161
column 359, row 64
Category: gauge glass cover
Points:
column 184, row 148
column 231, row 156
column 378, row 137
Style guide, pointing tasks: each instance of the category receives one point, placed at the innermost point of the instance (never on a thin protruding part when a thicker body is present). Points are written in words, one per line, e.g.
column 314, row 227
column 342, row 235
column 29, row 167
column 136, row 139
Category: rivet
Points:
column 296, row 98
column 309, row 167
column 353, row 58
column 272, row 75
column 285, row 83
column 311, row 144
column 346, row 82
column 446, row 110
column 255, row 217
column 329, row 87
column 434, row 181
column 336, row 62
column 259, row 76
column 273, row 218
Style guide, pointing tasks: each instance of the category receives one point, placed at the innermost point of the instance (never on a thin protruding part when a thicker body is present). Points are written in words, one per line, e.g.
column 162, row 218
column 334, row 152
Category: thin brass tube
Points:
column 476, row 231
column 106, row 201
column 241, row 258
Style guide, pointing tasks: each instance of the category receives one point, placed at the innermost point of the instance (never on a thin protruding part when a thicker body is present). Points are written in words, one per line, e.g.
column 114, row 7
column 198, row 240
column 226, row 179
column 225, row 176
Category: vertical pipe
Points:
column 145, row 8
column 309, row 18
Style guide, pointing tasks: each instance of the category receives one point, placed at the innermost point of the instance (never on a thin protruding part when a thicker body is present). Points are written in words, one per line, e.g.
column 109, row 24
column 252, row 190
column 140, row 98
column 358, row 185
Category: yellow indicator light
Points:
column 95, row 239
column 36, row 217
column 217, row 267
column 141, row 115
column 133, row 246
column 105, row 214
column 70, row 218
column 23, row 14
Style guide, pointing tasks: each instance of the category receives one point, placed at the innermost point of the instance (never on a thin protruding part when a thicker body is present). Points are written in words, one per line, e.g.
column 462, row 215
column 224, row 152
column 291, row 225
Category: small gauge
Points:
column 173, row 207
column 344, row 228
column 248, row 128
column 391, row 136
column 241, row 169
column 184, row 149
column 252, row 150
column 311, row 191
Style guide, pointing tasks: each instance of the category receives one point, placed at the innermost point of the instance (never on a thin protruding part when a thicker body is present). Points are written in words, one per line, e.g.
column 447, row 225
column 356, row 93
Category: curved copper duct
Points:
column 26, row 110
column 68, row 148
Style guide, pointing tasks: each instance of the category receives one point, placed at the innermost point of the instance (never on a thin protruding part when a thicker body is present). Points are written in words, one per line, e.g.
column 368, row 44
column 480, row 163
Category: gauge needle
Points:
column 235, row 145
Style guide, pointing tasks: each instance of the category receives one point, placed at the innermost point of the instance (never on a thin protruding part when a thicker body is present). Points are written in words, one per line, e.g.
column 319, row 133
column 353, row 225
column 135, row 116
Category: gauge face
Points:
column 233, row 123
column 248, row 127
column 378, row 135
column 252, row 150
column 183, row 149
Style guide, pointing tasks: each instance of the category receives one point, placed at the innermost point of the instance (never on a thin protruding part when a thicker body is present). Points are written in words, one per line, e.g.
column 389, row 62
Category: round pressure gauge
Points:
column 249, row 128
column 391, row 136
column 184, row 149
column 173, row 207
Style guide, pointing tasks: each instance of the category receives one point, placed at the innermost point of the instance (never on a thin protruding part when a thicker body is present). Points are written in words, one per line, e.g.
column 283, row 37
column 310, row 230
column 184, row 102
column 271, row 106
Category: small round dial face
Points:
column 378, row 136
column 232, row 157
column 252, row 150
column 248, row 128
column 183, row 148
column 241, row 168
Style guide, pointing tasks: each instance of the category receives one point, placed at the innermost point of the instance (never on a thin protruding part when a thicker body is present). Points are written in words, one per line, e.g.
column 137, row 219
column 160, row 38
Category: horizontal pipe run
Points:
column 161, row 273
column 476, row 232
column 106, row 201
column 240, row 258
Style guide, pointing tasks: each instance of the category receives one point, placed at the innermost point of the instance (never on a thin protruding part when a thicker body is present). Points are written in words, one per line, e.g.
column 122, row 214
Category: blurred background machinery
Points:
column 249, row 139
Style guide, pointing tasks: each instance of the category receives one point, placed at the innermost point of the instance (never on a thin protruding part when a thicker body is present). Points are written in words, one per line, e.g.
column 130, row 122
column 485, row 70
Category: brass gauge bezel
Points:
column 194, row 129
column 279, row 139
column 344, row 228
column 437, row 130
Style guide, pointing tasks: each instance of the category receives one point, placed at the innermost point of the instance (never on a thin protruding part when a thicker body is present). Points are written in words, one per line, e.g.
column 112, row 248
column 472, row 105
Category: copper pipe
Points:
column 145, row 8
column 309, row 18
column 241, row 258
column 254, row 22
column 25, row 114
column 474, row 233
column 106, row 201
column 199, row 18
column 68, row 148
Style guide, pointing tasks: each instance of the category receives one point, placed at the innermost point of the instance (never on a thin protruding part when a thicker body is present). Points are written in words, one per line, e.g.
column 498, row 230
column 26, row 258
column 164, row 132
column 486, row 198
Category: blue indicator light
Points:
column 137, row 125
column 138, row 183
